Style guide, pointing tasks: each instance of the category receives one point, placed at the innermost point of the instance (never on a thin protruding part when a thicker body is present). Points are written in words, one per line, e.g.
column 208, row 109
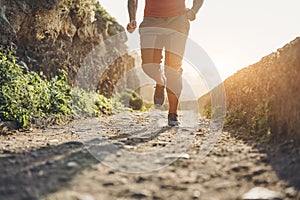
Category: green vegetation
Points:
column 213, row 112
column 26, row 95
column 82, row 8
column 257, row 123
column 102, row 13
column 207, row 112
column 236, row 117
column 261, row 119
column 79, row 8
column 130, row 99
column 93, row 104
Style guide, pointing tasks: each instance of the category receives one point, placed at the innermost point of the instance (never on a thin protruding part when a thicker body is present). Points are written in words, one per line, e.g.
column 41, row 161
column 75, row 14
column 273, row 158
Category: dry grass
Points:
column 265, row 96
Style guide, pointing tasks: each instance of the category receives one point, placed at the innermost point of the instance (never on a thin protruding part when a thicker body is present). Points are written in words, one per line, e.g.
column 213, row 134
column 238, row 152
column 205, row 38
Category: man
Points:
column 165, row 26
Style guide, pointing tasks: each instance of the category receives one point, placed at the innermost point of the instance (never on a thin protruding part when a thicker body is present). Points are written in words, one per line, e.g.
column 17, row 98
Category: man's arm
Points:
column 132, row 7
column 197, row 5
column 191, row 13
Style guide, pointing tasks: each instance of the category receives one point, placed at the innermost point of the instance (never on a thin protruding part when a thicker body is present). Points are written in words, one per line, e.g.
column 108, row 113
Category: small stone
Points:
column 258, row 171
column 107, row 184
column 85, row 197
column 143, row 137
column 291, row 192
column 6, row 151
column 111, row 172
column 138, row 196
column 158, row 161
column 196, row 194
column 54, row 141
column 140, row 179
column 184, row 155
column 129, row 147
column 259, row 181
column 124, row 180
column 119, row 144
column 41, row 173
column 262, row 193
column 72, row 164
column 162, row 143
column 34, row 154
column 118, row 153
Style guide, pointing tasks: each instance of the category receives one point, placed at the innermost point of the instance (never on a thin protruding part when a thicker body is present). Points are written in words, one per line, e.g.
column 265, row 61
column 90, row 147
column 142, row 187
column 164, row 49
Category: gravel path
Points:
column 141, row 159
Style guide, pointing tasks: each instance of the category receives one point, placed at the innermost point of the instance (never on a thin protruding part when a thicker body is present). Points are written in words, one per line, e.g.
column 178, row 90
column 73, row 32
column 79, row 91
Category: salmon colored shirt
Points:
column 164, row 8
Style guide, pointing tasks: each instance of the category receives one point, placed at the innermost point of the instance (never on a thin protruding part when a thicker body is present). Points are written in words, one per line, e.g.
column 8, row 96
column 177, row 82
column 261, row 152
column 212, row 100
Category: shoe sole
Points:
column 173, row 123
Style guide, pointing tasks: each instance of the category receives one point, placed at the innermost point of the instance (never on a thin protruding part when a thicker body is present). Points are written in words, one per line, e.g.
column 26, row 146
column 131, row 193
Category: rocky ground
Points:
column 139, row 158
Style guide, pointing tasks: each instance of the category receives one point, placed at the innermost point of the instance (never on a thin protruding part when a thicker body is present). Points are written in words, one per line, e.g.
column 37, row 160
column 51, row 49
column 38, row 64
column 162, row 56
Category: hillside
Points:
column 265, row 96
column 62, row 34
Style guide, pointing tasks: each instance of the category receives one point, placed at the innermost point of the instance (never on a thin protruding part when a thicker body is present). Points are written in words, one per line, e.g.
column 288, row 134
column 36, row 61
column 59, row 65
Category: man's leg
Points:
column 151, row 49
column 175, row 47
column 151, row 59
column 173, row 72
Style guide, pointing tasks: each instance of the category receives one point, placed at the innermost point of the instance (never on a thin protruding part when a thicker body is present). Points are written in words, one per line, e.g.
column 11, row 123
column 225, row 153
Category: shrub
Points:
column 26, row 95
column 90, row 104
column 130, row 99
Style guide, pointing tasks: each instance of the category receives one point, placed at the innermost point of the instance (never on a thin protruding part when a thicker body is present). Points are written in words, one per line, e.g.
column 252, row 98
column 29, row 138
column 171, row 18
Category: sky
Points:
column 233, row 33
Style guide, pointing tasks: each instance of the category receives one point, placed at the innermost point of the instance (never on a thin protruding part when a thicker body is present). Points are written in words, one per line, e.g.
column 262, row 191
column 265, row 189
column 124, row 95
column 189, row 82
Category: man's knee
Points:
column 174, row 80
column 150, row 68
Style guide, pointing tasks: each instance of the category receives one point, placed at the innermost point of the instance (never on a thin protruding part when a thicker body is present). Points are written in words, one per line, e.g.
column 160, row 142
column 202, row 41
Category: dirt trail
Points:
column 54, row 163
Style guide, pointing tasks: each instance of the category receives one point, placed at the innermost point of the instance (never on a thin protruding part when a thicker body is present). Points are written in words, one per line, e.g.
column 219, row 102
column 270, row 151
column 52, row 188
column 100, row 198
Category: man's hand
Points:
column 191, row 14
column 131, row 26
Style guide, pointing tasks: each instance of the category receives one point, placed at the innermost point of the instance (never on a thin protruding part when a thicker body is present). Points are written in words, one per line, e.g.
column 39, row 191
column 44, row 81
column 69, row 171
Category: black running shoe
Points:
column 173, row 119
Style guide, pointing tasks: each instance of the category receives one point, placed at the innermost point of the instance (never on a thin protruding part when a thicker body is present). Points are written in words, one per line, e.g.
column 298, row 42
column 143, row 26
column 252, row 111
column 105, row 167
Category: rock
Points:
column 291, row 192
column 46, row 43
column 79, row 196
column 196, row 194
column 54, row 141
column 34, row 154
column 138, row 196
column 8, row 126
column 72, row 164
column 163, row 143
column 184, row 155
column 119, row 144
column 129, row 147
column 258, row 171
column 86, row 197
column 240, row 168
column 141, row 194
column 108, row 183
column 140, row 179
column 41, row 173
column 262, row 193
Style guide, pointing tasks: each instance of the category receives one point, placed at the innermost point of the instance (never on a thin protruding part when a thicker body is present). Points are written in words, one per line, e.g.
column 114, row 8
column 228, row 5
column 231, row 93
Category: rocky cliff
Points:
column 66, row 34
column 265, row 96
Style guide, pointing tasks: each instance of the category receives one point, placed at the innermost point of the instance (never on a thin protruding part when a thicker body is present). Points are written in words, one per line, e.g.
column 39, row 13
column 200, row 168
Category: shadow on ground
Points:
column 33, row 174
column 282, row 153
